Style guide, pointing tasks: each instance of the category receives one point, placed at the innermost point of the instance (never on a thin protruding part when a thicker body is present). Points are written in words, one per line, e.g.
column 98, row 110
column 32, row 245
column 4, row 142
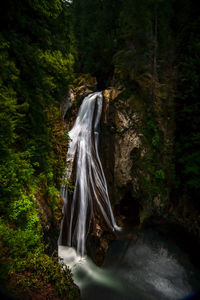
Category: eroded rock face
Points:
column 119, row 139
column 130, row 144
column 121, row 129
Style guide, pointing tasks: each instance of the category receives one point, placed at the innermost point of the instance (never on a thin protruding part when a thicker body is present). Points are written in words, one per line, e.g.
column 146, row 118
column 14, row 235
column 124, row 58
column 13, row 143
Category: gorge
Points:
column 133, row 154
column 142, row 266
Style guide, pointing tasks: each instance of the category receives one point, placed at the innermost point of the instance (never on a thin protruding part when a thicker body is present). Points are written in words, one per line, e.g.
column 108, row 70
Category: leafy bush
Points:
column 38, row 272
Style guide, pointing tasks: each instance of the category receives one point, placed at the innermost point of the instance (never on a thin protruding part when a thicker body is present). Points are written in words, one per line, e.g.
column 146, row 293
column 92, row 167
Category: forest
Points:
column 149, row 50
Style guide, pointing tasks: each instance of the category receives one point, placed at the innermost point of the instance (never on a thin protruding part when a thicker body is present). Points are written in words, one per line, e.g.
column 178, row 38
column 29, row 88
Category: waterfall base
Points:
column 148, row 268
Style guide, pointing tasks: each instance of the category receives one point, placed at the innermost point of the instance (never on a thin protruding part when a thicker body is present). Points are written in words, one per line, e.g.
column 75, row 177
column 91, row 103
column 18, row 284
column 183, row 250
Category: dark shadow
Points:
column 129, row 208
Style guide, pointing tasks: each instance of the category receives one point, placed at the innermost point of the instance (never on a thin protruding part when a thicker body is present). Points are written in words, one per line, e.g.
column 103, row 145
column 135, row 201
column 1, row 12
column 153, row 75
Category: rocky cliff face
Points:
column 136, row 150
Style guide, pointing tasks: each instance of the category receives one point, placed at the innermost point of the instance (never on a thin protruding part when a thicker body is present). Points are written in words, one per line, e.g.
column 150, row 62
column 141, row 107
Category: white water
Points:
column 146, row 269
column 90, row 196
column 139, row 270
column 85, row 271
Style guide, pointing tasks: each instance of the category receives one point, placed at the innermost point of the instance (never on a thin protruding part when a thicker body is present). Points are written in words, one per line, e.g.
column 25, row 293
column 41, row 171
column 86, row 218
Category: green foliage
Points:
column 49, row 9
column 15, row 177
column 95, row 25
column 154, row 175
column 53, row 197
column 41, row 271
column 8, row 100
column 155, row 140
column 20, row 242
column 152, row 130
column 152, row 180
column 144, row 36
column 36, row 70
column 23, row 259
column 22, row 212
column 134, row 31
column 159, row 175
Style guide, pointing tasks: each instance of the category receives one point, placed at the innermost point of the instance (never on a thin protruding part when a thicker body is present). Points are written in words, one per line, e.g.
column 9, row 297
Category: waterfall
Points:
column 145, row 268
column 90, row 195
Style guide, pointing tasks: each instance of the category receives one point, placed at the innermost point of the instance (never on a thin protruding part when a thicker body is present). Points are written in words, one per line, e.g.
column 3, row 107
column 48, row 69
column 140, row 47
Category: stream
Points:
column 148, row 268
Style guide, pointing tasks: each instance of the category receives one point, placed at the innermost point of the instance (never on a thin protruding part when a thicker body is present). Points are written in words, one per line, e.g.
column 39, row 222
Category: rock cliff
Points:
column 137, row 151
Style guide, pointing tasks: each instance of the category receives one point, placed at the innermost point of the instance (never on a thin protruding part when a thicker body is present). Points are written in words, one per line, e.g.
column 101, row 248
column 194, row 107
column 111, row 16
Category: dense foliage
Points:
column 36, row 70
column 123, row 38
column 95, row 24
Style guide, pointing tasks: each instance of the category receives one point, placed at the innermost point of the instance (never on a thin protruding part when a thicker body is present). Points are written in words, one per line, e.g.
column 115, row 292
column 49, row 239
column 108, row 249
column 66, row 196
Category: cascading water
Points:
column 145, row 269
column 90, row 194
